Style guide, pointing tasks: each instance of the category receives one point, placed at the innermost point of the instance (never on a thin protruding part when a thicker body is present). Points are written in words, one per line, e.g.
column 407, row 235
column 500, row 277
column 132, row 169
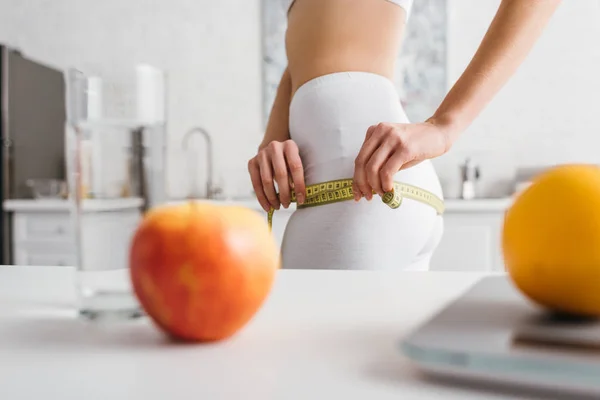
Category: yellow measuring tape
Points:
column 341, row 190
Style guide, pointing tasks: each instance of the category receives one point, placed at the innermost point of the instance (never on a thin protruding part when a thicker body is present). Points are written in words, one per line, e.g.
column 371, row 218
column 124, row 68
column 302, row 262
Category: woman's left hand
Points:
column 390, row 147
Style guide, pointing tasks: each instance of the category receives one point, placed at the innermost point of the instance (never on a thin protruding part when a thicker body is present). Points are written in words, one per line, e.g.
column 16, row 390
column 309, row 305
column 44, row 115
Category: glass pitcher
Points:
column 115, row 167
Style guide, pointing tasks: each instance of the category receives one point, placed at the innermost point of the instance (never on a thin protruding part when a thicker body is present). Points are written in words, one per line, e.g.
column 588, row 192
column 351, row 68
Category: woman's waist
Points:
column 354, row 85
column 337, row 35
column 316, row 63
column 330, row 115
column 344, row 103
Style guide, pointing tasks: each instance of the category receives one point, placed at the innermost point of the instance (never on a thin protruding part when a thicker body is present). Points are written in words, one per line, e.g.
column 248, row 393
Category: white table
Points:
column 320, row 335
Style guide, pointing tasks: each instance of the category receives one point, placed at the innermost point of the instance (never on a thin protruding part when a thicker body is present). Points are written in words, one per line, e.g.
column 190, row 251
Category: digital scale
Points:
column 493, row 333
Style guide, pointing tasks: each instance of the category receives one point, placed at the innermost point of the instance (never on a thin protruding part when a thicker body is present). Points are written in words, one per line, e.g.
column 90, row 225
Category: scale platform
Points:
column 493, row 333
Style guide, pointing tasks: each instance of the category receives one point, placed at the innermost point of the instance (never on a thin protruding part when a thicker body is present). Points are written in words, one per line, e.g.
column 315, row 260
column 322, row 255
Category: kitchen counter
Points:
column 479, row 204
column 43, row 205
column 320, row 335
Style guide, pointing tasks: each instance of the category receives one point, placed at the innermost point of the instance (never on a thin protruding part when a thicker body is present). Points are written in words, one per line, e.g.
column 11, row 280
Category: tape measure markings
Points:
column 341, row 190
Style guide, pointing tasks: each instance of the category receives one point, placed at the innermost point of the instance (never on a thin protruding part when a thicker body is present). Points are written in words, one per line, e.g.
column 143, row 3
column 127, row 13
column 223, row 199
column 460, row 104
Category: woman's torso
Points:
column 327, row 36
column 341, row 56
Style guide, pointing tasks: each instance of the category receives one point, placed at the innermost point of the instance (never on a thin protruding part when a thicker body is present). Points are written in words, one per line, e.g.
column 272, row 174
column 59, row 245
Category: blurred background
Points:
column 222, row 61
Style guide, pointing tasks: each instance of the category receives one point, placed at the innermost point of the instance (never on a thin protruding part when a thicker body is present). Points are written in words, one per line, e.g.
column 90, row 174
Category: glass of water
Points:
column 115, row 166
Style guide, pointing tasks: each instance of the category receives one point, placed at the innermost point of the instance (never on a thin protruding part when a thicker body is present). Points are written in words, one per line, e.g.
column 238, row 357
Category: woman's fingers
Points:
column 266, row 177
column 277, row 164
column 375, row 175
column 370, row 131
column 254, row 170
column 361, row 186
column 294, row 164
column 393, row 164
column 281, row 172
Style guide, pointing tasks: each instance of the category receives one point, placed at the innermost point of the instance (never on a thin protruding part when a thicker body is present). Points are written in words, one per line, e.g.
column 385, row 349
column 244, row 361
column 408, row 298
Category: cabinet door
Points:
column 47, row 239
column 471, row 242
column 48, row 227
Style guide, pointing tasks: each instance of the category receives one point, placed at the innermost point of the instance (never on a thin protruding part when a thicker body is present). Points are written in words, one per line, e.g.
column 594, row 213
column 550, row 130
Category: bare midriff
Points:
column 328, row 36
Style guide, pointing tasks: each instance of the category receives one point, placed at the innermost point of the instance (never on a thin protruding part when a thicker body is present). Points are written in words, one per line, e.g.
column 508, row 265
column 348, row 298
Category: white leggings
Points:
column 329, row 117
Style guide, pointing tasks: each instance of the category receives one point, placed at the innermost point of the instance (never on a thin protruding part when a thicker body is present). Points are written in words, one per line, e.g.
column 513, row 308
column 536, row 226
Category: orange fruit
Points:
column 551, row 240
column 201, row 271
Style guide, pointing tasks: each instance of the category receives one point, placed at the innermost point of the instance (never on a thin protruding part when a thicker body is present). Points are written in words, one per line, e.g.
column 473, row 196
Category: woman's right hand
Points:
column 277, row 162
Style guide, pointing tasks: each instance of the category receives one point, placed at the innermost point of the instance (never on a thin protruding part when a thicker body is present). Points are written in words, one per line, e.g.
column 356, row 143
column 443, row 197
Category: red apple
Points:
column 201, row 271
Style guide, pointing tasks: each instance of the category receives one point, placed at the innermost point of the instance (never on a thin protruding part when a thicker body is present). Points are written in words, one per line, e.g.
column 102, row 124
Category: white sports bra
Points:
column 405, row 4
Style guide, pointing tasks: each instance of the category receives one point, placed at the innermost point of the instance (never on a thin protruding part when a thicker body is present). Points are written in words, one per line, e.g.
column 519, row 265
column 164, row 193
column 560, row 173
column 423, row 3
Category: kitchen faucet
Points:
column 211, row 190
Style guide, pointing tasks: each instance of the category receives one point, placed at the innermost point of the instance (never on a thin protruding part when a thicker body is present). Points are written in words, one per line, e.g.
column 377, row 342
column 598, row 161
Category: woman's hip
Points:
column 363, row 235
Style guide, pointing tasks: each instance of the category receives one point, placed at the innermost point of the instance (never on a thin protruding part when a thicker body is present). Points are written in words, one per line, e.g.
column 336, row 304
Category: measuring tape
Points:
column 341, row 190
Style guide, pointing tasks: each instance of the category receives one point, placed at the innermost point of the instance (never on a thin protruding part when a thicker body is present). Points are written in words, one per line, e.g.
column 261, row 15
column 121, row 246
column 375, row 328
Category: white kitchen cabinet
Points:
column 43, row 232
column 472, row 238
column 471, row 242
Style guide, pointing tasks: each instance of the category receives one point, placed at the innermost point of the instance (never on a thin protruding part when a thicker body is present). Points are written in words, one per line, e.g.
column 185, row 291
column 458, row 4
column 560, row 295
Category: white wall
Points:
column 210, row 48
column 546, row 114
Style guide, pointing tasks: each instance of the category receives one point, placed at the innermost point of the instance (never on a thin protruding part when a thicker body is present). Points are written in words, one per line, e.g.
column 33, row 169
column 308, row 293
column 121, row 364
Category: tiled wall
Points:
column 212, row 50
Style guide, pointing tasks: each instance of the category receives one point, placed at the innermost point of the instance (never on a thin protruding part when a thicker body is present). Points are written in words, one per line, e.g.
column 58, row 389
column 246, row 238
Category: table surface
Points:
column 320, row 335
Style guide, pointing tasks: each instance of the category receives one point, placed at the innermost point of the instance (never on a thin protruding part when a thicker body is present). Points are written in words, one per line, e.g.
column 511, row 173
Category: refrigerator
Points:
column 32, row 130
